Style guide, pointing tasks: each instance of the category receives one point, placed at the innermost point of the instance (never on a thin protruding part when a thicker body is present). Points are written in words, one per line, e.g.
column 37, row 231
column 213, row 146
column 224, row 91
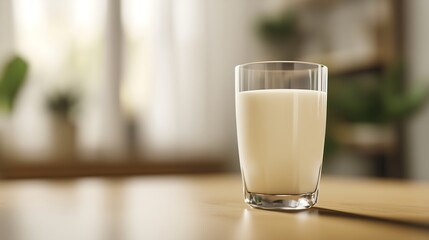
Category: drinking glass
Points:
column 281, row 122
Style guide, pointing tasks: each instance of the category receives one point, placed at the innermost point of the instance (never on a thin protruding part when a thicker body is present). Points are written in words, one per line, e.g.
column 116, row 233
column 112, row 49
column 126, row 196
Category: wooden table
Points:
column 206, row 207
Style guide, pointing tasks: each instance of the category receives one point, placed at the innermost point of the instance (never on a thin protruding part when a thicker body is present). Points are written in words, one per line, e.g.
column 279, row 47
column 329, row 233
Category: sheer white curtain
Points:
column 102, row 129
column 196, row 43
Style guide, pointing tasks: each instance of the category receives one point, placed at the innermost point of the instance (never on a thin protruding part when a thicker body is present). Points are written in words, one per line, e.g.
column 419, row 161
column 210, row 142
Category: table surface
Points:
column 206, row 207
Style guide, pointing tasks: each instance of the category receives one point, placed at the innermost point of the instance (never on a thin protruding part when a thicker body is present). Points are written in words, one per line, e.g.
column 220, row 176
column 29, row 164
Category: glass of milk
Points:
column 281, row 122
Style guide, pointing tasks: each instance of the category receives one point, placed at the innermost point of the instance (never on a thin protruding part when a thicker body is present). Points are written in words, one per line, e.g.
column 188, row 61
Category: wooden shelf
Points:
column 10, row 169
column 338, row 68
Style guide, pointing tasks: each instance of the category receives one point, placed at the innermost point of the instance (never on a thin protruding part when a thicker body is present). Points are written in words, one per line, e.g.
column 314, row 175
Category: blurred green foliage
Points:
column 278, row 29
column 371, row 99
column 12, row 79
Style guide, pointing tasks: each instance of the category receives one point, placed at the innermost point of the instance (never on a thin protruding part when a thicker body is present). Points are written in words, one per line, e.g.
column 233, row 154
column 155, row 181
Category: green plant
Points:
column 278, row 29
column 370, row 99
column 12, row 79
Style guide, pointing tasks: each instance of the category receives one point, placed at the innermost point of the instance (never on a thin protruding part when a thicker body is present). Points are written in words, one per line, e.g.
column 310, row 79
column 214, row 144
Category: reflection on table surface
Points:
column 206, row 207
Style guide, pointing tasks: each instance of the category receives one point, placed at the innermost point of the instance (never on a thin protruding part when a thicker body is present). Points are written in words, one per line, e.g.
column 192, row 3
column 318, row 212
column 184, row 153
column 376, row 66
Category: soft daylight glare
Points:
column 82, row 18
column 137, row 18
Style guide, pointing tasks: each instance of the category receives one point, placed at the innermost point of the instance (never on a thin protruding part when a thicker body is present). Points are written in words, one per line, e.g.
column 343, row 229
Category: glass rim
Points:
column 311, row 64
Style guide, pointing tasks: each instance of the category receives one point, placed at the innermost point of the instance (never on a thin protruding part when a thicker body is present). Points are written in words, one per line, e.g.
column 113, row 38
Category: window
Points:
column 152, row 79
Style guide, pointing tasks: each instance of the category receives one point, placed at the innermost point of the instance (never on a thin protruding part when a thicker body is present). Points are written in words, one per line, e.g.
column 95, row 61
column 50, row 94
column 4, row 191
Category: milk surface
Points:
column 281, row 136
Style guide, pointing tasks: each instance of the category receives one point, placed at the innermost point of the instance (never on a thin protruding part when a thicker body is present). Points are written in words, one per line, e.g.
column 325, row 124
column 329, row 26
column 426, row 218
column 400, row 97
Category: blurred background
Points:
column 107, row 87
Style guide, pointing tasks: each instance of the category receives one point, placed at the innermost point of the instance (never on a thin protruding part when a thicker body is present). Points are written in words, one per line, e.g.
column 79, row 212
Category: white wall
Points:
column 417, row 49
column 6, row 32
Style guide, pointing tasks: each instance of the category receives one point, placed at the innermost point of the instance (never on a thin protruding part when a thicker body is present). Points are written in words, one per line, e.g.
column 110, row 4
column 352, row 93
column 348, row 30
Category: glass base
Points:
column 281, row 202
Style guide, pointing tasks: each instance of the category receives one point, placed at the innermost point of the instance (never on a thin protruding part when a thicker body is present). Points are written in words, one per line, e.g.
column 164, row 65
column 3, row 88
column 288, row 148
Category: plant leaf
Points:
column 11, row 81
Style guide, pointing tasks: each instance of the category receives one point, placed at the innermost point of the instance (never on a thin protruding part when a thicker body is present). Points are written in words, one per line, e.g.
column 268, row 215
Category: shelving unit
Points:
column 382, row 21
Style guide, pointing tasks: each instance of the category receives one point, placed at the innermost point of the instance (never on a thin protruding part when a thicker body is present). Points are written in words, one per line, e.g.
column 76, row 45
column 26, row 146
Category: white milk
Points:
column 281, row 136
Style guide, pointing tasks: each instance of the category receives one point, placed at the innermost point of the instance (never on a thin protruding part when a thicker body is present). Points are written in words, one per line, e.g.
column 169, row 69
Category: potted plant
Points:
column 365, row 111
column 60, row 105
